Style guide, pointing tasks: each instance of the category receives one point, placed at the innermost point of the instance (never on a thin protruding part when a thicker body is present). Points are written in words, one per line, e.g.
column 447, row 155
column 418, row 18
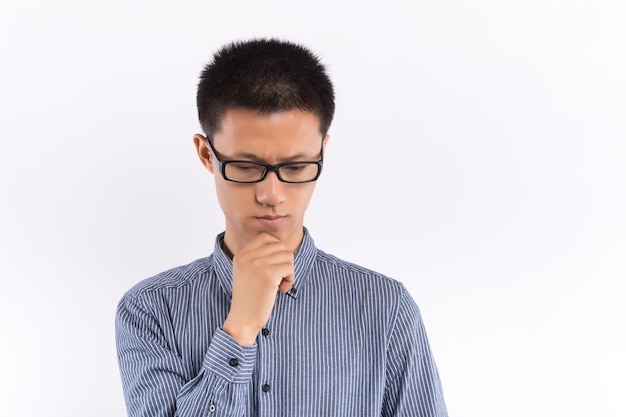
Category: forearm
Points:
column 158, row 383
column 223, row 384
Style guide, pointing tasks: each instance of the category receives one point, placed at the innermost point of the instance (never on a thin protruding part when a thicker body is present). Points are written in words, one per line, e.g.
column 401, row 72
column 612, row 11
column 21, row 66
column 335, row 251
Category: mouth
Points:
column 270, row 221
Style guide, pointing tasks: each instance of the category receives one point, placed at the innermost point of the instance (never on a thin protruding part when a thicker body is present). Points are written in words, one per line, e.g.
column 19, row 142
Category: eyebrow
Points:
column 253, row 157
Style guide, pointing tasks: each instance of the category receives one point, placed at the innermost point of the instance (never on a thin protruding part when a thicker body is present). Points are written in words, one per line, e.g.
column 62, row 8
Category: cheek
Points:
column 229, row 197
column 303, row 196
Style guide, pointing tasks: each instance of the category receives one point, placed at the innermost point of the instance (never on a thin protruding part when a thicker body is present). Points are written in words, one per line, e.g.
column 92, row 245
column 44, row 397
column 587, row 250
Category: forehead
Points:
column 281, row 133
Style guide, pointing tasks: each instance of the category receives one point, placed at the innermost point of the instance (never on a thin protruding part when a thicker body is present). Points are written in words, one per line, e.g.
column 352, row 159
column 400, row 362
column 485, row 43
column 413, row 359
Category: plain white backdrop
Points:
column 478, row 155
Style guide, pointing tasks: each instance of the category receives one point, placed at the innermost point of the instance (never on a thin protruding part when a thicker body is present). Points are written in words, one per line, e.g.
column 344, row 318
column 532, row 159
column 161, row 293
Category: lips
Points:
column 271, row 221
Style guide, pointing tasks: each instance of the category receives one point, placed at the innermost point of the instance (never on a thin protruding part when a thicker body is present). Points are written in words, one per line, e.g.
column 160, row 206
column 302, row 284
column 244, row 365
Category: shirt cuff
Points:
column 230, row 360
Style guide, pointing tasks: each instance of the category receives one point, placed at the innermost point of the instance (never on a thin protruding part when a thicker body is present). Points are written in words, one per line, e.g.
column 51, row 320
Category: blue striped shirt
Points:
column 344, row 341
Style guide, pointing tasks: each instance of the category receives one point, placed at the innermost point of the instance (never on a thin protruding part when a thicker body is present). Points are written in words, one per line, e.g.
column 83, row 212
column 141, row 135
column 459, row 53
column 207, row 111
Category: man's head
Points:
column 267, row 75
column 268, row 102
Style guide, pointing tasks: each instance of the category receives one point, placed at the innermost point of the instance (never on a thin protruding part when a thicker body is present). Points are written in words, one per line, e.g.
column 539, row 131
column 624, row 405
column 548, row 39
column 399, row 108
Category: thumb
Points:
column 286, row 284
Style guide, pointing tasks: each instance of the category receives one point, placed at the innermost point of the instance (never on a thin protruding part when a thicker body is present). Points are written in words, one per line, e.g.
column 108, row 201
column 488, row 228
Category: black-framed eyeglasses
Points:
column 248, row 172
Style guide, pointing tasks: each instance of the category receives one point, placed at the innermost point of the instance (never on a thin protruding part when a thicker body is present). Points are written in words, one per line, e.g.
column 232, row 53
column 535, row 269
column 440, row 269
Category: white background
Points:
column 477, row 155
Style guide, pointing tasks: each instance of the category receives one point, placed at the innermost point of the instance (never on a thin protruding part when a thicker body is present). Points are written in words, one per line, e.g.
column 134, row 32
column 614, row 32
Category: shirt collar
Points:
column 303, row 261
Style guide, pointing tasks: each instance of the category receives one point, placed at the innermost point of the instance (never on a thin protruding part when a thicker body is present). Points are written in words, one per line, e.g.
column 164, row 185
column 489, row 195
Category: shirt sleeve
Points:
column 412, row 385
column 157, row 384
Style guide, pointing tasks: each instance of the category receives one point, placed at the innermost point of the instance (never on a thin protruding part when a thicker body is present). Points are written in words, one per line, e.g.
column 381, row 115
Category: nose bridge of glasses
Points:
column 268, row 169
column 274, row 168
column 270, row 184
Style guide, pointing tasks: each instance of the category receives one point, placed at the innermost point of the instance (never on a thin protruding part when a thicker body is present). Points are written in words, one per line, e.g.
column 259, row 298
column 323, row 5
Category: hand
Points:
column 262, row 267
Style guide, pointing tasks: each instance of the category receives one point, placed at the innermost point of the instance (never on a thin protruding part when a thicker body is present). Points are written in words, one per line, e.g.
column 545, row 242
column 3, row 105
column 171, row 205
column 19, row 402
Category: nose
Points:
column 270, row 191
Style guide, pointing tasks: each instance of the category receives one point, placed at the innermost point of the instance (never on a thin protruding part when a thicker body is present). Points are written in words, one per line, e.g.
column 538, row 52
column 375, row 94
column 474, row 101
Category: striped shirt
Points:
column 344, row 341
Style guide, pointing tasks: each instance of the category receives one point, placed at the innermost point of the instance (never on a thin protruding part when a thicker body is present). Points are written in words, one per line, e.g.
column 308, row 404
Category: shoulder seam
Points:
column 145, row 286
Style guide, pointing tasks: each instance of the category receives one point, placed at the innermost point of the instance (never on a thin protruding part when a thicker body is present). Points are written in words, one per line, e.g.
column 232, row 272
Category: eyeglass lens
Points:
column 250, row 171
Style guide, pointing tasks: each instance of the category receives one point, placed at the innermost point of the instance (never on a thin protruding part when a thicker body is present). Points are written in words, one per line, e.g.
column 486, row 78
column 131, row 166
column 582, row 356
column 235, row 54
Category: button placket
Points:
column 266, row 354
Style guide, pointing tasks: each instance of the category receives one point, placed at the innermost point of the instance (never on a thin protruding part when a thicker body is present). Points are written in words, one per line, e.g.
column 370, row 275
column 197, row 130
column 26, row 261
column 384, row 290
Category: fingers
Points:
column 261, row 268
column 286, row 283
column 268, row 255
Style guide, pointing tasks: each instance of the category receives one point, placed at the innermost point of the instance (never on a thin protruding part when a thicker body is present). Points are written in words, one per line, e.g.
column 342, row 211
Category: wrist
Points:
column 242, row 334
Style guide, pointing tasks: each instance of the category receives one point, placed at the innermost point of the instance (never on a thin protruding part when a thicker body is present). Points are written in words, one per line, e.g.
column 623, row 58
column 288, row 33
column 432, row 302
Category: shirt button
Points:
column 212, row 408
column 233, row 362
column 265, row 387
column 265, row 331
column 293, row 291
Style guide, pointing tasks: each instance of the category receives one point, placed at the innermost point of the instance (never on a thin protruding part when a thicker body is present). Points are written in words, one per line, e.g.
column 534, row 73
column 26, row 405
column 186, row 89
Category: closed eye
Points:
column 295, row 167
column 244, row 167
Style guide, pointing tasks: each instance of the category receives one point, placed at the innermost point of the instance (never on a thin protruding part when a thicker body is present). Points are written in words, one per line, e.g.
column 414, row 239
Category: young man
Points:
column 269, row 325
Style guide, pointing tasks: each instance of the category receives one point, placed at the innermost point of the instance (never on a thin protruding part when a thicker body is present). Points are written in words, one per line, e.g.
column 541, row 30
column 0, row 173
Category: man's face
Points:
column 268, row 206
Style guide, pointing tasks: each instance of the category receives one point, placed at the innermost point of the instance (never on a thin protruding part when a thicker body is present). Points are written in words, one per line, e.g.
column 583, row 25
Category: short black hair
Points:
column 267, row 75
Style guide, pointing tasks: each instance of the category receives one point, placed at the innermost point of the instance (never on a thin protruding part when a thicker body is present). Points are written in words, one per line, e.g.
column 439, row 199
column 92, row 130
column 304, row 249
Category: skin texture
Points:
column 263, row 221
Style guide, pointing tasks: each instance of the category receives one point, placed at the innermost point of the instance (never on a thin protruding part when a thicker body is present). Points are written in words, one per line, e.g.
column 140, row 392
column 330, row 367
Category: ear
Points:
column 325, row 141
column 204, row 151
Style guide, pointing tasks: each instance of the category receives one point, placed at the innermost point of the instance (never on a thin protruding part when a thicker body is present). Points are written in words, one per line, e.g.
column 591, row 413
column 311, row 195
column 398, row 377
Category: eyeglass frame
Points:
column 222, row 163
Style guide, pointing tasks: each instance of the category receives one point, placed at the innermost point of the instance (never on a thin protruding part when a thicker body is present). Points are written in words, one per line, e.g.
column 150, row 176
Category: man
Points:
column 269, row 325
